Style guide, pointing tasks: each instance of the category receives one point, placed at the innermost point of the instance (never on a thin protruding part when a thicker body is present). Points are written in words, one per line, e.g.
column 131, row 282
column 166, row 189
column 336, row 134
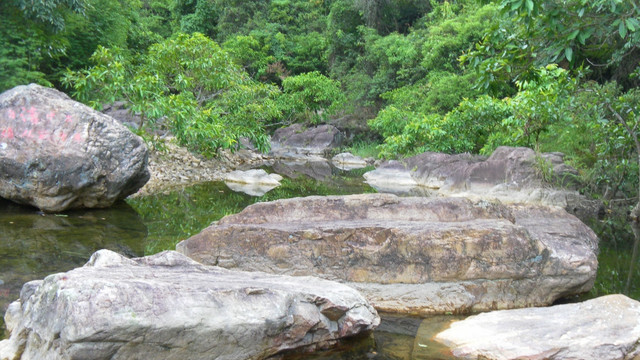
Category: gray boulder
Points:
column 606, row 328
column 512, row 175
column 57, row 154
column 411, row 255
column 167, row 306
column 298, row 141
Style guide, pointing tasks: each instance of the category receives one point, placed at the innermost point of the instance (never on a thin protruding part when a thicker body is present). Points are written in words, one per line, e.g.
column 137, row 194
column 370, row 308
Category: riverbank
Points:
column 172, row 167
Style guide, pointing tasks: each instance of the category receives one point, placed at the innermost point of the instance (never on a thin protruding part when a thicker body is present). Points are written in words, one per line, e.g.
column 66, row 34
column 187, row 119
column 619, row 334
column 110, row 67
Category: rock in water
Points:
column 167, row 306
column 254, row 182
column 510, row 175
column 58, row 154
column 411, row 255
column 606, row 328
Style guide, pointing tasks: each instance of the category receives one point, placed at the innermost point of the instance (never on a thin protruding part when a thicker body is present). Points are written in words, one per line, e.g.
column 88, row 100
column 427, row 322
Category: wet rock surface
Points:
column 605, row 328
column 167, row 306
column 58, row 154
column 411, row 255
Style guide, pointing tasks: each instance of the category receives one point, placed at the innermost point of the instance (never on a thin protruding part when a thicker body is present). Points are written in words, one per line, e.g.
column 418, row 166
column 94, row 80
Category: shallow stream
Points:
column 34, row 245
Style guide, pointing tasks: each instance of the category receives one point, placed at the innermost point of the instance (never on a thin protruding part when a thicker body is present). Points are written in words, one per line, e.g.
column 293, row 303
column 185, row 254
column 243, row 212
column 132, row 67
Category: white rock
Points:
column 167, row 306
column 606, row 328
column 348, row 161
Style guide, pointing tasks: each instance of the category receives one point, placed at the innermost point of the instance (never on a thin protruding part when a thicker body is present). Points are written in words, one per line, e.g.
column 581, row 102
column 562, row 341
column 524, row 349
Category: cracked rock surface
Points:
column 411, row 255
column 167, row 306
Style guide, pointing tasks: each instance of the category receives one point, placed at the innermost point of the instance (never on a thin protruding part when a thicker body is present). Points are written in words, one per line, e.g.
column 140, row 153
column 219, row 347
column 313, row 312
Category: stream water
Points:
column 34, row 245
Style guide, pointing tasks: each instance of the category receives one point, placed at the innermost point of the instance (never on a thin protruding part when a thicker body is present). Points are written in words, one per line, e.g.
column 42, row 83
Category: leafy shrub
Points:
column 207, row 101
column 310, row 96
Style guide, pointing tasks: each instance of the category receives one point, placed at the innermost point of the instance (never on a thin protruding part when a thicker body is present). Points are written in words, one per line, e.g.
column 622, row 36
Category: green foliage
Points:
column 48, row 13
column 480, row 124
column 540, row 103
column 191, row 83
column 531, row 34
column 30, row 35
column 311, row 96
column 465, row 129
column 386, row 16
column 248, row 52
column 196, row 16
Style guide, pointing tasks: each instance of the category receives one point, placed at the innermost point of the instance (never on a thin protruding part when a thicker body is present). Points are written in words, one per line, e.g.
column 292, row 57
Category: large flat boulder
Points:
column 167, row 306
column 606, row 328
column 58, row 154
column 510, row 174
column 411, row 255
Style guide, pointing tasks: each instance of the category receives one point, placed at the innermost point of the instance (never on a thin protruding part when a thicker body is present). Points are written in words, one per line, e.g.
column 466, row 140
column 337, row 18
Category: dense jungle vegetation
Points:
column 424, row 75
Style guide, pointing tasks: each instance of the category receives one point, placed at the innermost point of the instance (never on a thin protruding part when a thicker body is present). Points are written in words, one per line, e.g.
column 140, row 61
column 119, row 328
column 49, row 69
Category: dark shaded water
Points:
column 34, row 245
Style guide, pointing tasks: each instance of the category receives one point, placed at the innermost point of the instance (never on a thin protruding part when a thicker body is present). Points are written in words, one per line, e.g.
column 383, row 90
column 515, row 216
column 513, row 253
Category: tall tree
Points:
column 31, row 32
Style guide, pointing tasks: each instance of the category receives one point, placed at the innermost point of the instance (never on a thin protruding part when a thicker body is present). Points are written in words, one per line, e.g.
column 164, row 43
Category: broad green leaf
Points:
column 516, row 5
column 573, row 34
column 568, row 53
column 530, row 5
column 622, row 30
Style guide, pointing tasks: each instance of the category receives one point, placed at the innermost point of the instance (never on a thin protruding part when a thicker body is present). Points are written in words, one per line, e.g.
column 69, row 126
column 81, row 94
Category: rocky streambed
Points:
column 318, row 265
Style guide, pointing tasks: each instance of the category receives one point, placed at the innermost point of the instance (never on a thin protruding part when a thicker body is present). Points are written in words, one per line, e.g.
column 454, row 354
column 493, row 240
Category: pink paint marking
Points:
column 12, row 114
column 78, row 138
column 7, row 133
column 68, row 119
column 51, row 115
column 27, row 133
column 33, row 115
column 42, row 135
column 63, row 137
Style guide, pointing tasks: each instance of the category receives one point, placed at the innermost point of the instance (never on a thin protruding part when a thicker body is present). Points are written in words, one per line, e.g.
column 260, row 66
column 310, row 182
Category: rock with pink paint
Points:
column 58, row 154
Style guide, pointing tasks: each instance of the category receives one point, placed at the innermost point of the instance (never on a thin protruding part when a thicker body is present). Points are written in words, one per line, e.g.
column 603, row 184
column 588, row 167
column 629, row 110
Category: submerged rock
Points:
column 606, row 328
column 411, row 255
column 58, row 154
column 167, row 306
column 511, row 175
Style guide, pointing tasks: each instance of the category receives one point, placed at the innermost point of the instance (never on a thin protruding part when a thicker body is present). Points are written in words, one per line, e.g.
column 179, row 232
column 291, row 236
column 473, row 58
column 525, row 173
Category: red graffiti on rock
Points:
column 40, row 126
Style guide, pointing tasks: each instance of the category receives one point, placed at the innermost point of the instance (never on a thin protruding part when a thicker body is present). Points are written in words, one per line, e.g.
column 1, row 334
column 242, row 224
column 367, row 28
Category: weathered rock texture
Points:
column 513, row 175
column 169, row 307
column 411, row 255
column 56, row 153
column 606, row 328
column 296, row 140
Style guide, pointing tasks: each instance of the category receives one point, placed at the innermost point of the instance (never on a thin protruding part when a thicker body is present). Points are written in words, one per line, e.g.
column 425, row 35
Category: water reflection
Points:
column 34, row 245
column 397, row 338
